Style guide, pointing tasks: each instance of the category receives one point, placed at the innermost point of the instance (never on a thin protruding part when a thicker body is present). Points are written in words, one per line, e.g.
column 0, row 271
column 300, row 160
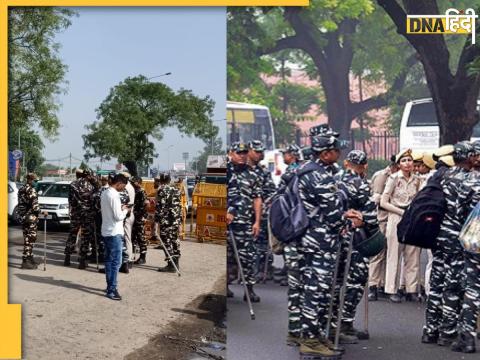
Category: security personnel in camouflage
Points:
column 87, row 216
column 446, row 281
column 28, row 211
column 255, row 155
column 74, row 211
column 318, row 246
column 98, row 216
column 353, row 181
column 467, row 199
column 125, row 200
column 168, row 214
column 140, row 212
column 244, row 210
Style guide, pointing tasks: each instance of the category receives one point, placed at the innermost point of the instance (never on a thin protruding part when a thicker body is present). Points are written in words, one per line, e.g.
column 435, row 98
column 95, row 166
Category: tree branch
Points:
column 290, row 42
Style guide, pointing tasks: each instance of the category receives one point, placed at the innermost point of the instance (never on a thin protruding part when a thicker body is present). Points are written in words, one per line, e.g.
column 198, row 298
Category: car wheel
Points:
column 15, row 216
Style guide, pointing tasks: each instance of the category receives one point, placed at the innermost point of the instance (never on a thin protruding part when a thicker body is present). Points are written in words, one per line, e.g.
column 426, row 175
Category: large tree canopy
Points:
column 135, row 111
column 454, row 92
column 35, row 72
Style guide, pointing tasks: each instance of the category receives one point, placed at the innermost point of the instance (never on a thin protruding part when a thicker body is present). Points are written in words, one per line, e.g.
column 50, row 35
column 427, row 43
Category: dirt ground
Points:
column 66, row 315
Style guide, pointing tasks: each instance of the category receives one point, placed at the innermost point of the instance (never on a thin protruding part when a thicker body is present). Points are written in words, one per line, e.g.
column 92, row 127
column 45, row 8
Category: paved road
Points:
column 395, row 330
column 66, row 315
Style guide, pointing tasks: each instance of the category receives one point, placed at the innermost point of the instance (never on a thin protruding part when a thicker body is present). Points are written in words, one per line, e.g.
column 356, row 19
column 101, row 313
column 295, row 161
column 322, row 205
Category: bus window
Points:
column 423, row 114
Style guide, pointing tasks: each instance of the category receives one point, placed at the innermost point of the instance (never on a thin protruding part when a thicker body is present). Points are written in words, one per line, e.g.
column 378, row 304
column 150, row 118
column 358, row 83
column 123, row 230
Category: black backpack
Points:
column 421, row 221
column 287, row 216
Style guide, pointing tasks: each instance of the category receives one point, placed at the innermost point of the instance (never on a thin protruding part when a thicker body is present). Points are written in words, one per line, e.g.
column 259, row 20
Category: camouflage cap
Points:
column 476, row 147
column 32, row 176
column 87, row 172
column 462, row 151
column 256, row 145
column 137, row 179
column 357, row 157
column 79, row 171
column 322, row 129
column 239, row 147
column 323, row 142
column 292, row 149
column 126, row 174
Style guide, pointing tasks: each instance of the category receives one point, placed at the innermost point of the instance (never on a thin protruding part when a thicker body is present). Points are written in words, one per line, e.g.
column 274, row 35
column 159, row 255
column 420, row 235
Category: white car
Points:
column 54, row 200
column 12, row 200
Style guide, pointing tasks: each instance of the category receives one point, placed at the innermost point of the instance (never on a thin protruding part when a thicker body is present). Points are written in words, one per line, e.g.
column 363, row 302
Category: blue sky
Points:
column 103, row 46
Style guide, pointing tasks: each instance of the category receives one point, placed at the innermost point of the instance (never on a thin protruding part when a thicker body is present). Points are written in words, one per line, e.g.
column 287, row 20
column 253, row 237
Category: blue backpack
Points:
column 288, row 217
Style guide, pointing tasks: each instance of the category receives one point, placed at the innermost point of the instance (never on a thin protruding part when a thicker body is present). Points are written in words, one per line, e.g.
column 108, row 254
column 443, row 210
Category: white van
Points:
column 419, row 128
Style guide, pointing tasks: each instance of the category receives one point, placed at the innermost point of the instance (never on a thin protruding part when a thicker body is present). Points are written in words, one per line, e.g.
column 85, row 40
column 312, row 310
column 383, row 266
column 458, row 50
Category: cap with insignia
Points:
column 292, row 149
column 239, row 147
column 256, row 145
column 322, row 143
column 462, row 151
column 402, row 154
column 357, row 157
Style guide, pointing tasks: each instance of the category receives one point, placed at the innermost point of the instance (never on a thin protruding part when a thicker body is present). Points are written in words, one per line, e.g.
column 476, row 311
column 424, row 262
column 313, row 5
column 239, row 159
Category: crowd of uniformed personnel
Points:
column 86, row 220
column 452, row 281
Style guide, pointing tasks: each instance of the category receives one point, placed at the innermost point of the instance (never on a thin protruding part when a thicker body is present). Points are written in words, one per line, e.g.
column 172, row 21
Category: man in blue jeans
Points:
column 113, row 214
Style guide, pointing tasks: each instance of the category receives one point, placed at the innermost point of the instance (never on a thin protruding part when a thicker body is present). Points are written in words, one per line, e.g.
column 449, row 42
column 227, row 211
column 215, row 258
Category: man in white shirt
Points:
column 113, row 214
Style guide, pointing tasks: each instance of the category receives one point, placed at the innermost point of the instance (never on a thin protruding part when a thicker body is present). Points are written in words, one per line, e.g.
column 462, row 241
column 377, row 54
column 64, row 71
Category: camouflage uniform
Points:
column 124, row 200
column 358, row 191
column 468, row 198
column 28, row 210
column 98, row 219
column 446, row 280
column 243, row 187
column 138, row 231
column 168, row 214
column 74, row 205
column 318, row 246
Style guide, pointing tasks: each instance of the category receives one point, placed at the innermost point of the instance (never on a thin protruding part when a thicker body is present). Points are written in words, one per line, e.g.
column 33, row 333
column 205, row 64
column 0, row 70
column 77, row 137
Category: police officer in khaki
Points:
column 377, row 266
column 400, row 190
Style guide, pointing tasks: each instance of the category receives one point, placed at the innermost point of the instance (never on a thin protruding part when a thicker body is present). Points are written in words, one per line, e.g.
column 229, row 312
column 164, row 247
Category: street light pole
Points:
column 157, row 76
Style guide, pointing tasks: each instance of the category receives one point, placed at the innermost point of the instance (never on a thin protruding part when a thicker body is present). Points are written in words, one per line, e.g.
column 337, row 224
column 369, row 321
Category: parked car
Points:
column 12, row 201
column 54, row 201
column 42, row 185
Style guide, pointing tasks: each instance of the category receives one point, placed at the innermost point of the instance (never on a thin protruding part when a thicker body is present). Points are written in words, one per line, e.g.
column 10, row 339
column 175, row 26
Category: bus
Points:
column 246, row 122
column 419, row 128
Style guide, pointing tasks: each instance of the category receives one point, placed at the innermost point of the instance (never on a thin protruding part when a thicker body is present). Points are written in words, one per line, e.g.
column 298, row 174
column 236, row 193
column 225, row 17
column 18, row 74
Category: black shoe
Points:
column 465, row 343
column 412, row 297
column 429, row 338
column 124, row 268
column 253, row 297
column 348, row 329
column 114, row 295
column 28, row 264
column 176, row 260
column 141, row 260
column 372, row 293
column 66, row 262
column 92, row 257
column 395, row 298
column 82, row 263
column 446, row 340
column 230, row 293
column 169, row 268
column 101, row 271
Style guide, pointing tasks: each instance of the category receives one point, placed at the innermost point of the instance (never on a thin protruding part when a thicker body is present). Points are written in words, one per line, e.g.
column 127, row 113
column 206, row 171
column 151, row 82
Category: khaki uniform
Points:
column 376, row 268
column 399, row 192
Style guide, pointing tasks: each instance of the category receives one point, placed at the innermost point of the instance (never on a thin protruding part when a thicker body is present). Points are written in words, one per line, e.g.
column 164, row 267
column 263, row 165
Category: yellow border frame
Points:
column 10, row 314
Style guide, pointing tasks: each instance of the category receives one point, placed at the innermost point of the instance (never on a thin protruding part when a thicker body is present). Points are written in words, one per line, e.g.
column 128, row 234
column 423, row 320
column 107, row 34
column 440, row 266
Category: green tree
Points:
column 135, row 111
column 330, row 40
column 35, row 70
column 199, row 163
column 454, row 92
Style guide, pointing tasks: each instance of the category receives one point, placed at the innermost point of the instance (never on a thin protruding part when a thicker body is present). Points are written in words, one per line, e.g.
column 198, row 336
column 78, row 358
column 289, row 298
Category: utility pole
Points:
column 70, row 164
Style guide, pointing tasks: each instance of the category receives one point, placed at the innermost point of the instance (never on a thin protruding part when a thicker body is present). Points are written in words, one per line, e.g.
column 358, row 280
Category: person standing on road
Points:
column 28, row 211
column 128, row 223
column 256, row 153
column 399, row 192
column 377, row 265
column 447, row 277
column 98, row 216
column 140, row 213
column 244, row 212
column 168, row 214
column 75, row 219
column 113, row 214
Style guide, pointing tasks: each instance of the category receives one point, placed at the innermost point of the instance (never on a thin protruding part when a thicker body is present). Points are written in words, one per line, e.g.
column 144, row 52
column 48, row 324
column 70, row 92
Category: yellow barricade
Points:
column 210, row 201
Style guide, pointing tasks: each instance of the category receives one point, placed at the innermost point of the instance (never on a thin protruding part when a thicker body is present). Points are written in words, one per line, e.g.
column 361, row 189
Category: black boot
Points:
column 253, row 297
column 412, row 297
column 348, row 329
column 169, row 268
column 177, row 262
column 142, row 259
column 372, row 293
column 446, row 340
column 82, row 263
column 464, row 343
column 429, row 338
column 28, row 264
column 124, row 268
column 395, row 298
column 66, row 262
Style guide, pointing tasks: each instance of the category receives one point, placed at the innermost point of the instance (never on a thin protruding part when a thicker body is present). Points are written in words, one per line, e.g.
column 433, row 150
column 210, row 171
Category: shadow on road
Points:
column 61, row 283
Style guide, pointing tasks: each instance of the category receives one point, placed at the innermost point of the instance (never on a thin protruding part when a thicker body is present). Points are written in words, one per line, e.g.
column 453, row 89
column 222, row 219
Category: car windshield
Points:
column 57, row 190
